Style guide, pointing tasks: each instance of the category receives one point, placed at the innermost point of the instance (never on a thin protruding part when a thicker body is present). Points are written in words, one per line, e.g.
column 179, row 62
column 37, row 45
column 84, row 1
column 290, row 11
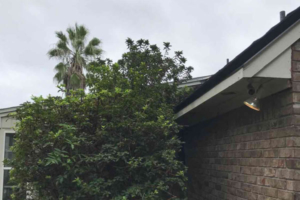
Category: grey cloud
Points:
column 208, row 32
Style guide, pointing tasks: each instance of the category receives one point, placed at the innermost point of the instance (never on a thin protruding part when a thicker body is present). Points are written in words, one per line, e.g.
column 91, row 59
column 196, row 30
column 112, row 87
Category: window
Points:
column 8, row 154
column 7, row 188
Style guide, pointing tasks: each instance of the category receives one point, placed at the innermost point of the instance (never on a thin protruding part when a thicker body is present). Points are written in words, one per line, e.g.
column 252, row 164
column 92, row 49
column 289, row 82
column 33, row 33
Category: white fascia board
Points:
column 3, row 111
column 190, row 84
column 211, row 93
column 272, row 51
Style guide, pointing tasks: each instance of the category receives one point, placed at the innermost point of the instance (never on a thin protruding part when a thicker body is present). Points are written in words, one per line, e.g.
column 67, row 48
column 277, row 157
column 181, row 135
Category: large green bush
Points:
column 116, row 141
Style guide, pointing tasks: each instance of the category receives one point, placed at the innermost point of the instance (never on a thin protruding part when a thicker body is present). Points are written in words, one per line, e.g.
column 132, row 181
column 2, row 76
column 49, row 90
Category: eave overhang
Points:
column 269, row 66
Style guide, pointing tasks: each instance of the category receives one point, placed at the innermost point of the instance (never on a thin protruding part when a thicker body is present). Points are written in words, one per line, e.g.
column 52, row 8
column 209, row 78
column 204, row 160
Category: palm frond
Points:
column 95, row 42
column 61, row 67
column 56, row 52
column 93, row 49
column 81, row 31
column 75, row 80
column 61, row 73
column 78, row 44
column 71, row 32
column 63, row 46
column 59, row 78
column 62, row 36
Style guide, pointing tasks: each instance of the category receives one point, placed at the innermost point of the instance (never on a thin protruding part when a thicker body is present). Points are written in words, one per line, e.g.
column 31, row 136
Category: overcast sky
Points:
column 208, row 32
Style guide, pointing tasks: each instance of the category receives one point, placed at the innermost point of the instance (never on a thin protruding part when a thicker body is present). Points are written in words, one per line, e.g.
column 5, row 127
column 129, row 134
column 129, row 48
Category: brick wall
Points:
column 246, row 154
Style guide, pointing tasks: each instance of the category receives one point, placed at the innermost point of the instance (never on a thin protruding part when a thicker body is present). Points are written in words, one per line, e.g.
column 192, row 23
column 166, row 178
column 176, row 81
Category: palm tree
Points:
column 74, row 55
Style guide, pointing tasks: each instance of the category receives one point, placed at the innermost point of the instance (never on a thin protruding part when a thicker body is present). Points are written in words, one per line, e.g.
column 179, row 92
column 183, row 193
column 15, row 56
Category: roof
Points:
column 194, row 81
column 8, row 110
column 243, row 57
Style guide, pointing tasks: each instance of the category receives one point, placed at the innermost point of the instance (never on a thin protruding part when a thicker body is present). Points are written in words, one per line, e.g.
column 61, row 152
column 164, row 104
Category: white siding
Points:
column 6, row 126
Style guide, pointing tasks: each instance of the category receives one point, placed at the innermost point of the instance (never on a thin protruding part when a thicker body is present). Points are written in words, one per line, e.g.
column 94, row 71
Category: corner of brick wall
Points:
column 296, row 76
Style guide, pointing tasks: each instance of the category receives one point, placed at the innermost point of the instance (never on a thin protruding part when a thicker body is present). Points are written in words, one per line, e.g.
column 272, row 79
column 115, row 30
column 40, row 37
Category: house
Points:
column 235, row 152
column 6, row 141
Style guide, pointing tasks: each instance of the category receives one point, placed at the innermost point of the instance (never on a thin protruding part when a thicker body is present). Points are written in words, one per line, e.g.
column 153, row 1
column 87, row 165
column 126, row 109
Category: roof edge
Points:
column 254, row 49
column 8, row 110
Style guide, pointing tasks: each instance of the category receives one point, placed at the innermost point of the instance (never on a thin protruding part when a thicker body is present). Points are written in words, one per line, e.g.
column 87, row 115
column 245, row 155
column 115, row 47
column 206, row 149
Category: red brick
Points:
column 296, row 66
column 270, row 172
column 296, row 46
column 296, row 109
column 296, row 86
column 270, row 153
column 293, row 141
column 285, row 173
column 280, row 142
column 286, row 153
column 270, row 192
column 296, row 55
column 293, row 164
column 285, row 195
column 296, row 97
column 293, row 185
column 295, row 76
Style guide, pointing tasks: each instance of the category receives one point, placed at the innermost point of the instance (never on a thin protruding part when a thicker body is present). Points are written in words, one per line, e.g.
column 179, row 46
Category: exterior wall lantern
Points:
column 254, row 101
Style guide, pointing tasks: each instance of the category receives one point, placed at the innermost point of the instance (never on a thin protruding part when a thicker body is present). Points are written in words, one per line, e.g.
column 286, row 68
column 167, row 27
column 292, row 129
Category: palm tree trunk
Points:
column 68, row 82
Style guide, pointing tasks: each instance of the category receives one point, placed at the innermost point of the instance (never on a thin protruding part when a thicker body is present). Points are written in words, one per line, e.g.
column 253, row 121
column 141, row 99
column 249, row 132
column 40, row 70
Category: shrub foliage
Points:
column 116, row 141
